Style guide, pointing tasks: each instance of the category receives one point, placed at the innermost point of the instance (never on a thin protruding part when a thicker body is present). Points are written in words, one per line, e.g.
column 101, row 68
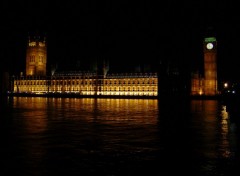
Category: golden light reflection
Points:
column 34, row 113
column 225, row 145
column 144, row 111
column 215, row 126
column 122, row 110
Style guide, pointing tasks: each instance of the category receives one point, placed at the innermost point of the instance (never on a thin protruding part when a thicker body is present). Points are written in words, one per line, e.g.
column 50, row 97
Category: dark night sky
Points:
column 137, row 32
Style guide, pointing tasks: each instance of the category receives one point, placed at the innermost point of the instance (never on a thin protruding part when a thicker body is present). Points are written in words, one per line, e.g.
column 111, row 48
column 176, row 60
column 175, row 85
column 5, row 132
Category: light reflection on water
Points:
column 73, row 136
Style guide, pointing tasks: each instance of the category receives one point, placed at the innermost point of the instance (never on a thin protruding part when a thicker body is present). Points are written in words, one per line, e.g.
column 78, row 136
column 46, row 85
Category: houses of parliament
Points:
column 36, row 81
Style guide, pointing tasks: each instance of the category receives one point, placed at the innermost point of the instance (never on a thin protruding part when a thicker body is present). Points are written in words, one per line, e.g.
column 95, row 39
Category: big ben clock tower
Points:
column 210, row 66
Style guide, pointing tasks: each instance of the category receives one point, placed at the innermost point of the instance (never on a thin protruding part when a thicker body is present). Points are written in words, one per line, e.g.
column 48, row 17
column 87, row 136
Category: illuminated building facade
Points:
column 207, row 84
column 98, row 83
column 89, row 84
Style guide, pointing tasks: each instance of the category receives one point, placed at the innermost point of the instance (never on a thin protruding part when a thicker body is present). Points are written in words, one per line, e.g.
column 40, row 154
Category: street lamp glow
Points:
column 225, row 85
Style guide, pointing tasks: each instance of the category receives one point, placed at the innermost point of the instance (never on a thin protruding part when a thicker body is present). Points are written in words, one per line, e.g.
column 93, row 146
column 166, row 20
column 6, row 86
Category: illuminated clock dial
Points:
column 209, row 46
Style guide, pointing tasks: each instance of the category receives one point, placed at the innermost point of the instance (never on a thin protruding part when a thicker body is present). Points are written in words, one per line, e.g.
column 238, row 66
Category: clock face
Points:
column 209, row 46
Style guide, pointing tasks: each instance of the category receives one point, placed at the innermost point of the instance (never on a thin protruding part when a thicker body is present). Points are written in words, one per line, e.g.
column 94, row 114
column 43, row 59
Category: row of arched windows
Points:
column 108, row 85
column 106, row 82
column 32, row 58
column 31, row 82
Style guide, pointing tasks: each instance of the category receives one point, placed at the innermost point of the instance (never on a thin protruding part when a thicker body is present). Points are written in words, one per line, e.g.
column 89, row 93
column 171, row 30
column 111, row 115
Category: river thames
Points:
column 88, row 136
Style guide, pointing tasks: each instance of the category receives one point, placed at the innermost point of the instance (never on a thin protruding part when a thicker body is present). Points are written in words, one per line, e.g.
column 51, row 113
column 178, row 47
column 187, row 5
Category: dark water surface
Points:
column 68, row 136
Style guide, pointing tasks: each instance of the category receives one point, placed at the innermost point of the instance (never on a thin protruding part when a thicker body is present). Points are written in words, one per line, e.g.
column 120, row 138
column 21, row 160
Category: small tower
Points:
column 36, row 56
